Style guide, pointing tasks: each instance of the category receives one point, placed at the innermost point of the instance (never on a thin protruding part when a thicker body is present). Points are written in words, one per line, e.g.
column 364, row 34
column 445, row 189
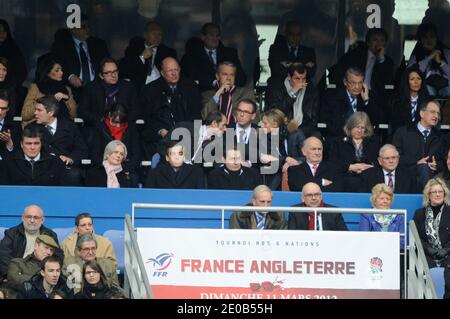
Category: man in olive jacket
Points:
column 22, row 269
column 262, row 196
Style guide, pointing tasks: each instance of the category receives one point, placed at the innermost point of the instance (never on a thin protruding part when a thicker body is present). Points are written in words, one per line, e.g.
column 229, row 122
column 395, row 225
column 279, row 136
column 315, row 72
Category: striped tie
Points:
column 260, row 221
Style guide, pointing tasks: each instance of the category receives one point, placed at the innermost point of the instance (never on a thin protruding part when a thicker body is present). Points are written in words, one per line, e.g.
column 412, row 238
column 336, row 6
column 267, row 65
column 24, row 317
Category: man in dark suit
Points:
column 106, row 90
column 420, row 144
column 175, row 173
column 377, row 66
column 165, row 102
column 143, row 56
column 312, row 197
column 31, row 166
column 9, row 130
column 287, row 51
column 314, row 169
column 338, row 105
column 226, row 95
column 400, row 179
column 61, row 138
column 297, row 98
column 80, row 55
column 201, row 60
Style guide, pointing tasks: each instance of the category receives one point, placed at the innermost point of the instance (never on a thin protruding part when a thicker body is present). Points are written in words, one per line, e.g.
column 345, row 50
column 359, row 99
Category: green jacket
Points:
column 21, row 270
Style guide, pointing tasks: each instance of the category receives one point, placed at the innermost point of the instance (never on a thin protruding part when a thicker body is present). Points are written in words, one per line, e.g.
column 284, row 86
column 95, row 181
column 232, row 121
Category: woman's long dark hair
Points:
column 404, row 94
column 93, row 264
column 47, row 85
column 419, row 51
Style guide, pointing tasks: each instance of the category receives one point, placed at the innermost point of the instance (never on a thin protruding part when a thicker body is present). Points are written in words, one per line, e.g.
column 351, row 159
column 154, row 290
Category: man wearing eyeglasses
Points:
column 312, row 197
column 86, row 250
column 19, row 241
column 389, row 173
column 104, row 91
column 420, row 144
column 338, row 105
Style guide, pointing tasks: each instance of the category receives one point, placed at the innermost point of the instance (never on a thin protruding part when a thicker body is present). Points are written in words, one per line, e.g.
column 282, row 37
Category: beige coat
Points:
column 29, row 106
column 238, row 94
column 73, row 270
column 105, row 248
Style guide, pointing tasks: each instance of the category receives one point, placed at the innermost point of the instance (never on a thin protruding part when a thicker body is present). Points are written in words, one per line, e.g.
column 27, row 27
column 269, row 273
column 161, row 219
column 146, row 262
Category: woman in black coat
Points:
column 433, row 225
column 11, row 51
column 116, row 126
column 95, row 285
column 411, row 94
column 110, row 173
column 356, row 152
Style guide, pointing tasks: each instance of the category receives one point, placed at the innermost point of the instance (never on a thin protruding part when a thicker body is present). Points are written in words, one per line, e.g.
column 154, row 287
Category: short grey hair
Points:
column 386, row 147
column 353, row 71
column 111, row 147
column 353, row 122
column 85, row 238
column 261, row 189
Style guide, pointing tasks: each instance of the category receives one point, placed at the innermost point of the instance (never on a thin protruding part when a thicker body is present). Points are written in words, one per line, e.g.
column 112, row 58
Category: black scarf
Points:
column 50, row 87
column 96, row 291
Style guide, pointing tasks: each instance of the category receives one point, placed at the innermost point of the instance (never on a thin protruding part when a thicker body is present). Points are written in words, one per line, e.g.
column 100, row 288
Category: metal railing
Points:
column 315, row 210
column 136, row 280
column 420, row 282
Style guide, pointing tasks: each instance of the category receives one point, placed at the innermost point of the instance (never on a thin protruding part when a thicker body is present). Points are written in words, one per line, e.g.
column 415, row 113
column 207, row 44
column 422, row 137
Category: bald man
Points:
column 19, row 240
column 314, row 169
column 312, row 197
column 169, row 100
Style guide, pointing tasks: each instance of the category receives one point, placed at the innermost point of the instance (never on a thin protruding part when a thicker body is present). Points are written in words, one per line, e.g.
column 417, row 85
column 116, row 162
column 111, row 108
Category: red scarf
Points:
column 311, row 216
column 116, row 132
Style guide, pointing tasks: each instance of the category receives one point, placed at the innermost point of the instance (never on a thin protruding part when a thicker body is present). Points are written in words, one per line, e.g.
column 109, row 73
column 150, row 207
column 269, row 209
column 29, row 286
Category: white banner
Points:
column 286, row 264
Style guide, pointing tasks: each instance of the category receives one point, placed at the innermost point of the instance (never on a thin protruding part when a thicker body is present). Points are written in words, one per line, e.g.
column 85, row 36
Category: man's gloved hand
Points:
column 442, row 253
column 430, row 251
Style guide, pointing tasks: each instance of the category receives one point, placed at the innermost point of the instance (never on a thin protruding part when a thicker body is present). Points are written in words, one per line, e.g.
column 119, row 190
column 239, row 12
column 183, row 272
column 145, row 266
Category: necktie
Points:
column 173, row 88
column 260, row 221
column 242, row 136
column 315, row 166
column 311, row 221
column 50, row 129
column 354, row 103
column 425, row 134
column 390, row 181
column 413, row 110
column 32, row 166
column 151, row 62
column 86, row 76
column 292, row 55
column 211, row 58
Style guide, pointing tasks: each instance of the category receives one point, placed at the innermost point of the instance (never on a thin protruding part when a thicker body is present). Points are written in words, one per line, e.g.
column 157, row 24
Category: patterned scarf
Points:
column 384, row 220
column 111, row 171
column 432, row 226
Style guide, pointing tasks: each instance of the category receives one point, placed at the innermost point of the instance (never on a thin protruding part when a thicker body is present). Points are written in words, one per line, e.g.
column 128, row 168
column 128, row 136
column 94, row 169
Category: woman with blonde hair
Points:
column 433, row 224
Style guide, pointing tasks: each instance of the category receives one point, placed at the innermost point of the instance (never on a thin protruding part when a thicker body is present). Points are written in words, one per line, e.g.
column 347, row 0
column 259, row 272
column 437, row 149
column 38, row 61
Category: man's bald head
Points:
column 311, row 195
column 32, row 218
column 170, row 70
column 313, row 150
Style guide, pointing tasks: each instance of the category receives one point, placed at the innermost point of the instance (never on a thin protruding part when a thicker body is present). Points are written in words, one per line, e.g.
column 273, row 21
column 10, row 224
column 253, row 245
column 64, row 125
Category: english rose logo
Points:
column 266, row 286
column 376, row 267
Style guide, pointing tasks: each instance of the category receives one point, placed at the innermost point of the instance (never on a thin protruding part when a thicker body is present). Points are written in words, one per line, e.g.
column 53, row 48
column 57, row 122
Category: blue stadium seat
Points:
column 2, row 232
column 63, row 233
column 117, row 238
column 437, row 274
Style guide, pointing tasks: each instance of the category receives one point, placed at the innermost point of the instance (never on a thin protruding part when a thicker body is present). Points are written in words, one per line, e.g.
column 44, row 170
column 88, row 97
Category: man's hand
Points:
column 365, row 92
column 223, row 88
column 75, row 81
column 359, row 167
column 326, row 182
column 61, row 96
column 163, row 132
column 67, row 160
column 423, row 160
column 266, row 158
column 6, row 137
column 433, row 165
column 148, row 52
column 310, row 65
